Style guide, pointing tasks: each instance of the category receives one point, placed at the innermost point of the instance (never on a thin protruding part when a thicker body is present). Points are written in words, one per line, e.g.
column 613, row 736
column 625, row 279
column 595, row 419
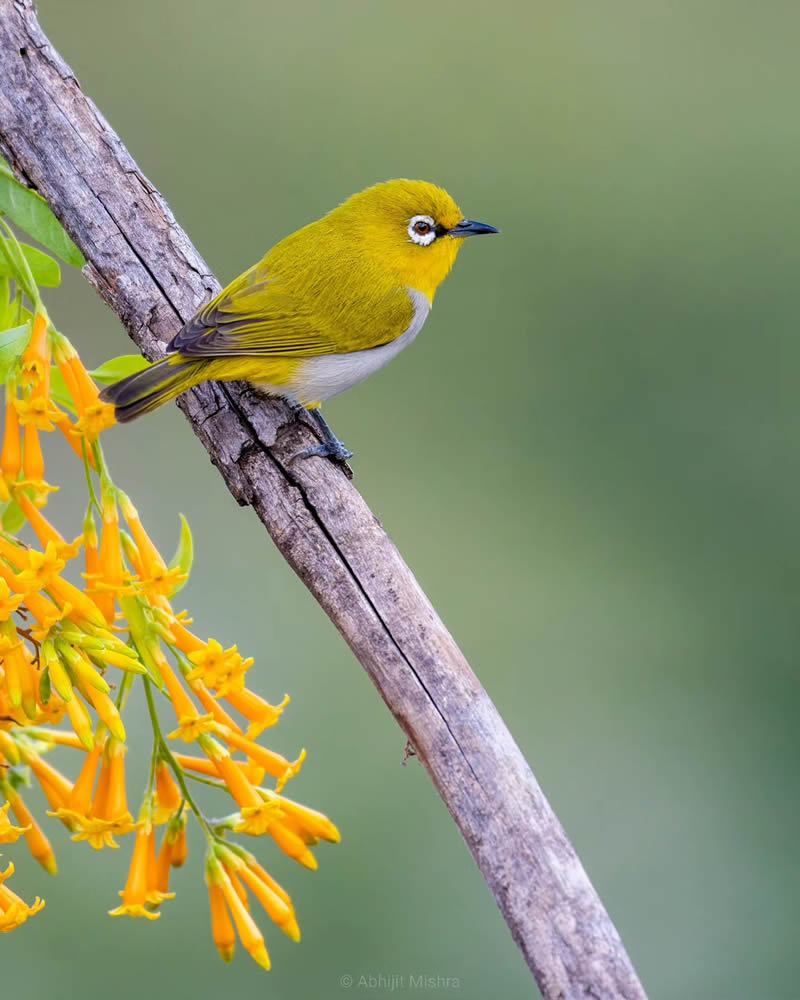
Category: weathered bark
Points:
column 146, row 269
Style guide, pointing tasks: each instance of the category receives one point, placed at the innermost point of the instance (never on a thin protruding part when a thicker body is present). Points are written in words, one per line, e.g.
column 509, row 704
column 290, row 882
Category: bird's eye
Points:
column 422, row 230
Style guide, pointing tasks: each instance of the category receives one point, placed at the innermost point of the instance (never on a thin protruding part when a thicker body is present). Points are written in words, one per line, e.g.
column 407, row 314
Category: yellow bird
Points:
column 324, row 309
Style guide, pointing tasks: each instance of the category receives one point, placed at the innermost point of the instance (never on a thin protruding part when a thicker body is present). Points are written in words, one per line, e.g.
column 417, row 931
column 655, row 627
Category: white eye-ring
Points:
column 422, row 230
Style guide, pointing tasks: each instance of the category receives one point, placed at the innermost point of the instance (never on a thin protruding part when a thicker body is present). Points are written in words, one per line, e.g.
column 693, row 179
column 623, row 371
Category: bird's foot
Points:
column 334, row 450
column 330, row 447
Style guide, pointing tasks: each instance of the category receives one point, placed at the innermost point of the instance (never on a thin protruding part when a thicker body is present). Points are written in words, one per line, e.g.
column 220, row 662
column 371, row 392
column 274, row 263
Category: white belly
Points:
column 319, row 378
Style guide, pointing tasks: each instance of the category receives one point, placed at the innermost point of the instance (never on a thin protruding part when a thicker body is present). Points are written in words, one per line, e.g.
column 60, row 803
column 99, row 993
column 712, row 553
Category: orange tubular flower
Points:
column 13, row 911
column 168, row 798
column 107, row 711
column 157, row 578
column 186, row 641
column 110, row 578
column 104, row 599
column 93, row 416
column 218, row 668
column 75, row 652
column 8, row 832
column 86, row 392
column 40, row 569
column 210, row 704
column 80, row 801
column 222, row 931
column 11, row 455
column 259, row 712
column 38, row 411
column 158, row 879
column 36, row 357
column 106, row 816
column 158, row 869
column 183, row 705
column 232, row 774
column 179, row 850
column 201, row 765
column 38, row 844
column 32, row 459
column 74, row 438
column 57, row 789
column 312, row 823
column 291, row 843
column 193, row 727
column 14, row 662
column 62, row 354
column 81, row 721
column 273, row 763
column 45, row 531
column 43, row 610
column 242, row 865
column 82, row 609
column 8, row 602
column 134, row 895
column 96, row 418
column 171, row 855
column 249, row 934
column 258, row 815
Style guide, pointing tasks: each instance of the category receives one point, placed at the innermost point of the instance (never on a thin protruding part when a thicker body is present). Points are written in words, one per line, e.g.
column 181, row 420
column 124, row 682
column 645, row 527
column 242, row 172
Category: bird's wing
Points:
column 259, row 314
column 254, row 315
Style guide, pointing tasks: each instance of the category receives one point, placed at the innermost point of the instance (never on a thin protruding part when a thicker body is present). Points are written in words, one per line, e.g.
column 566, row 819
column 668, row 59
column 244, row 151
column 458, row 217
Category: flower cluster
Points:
column 72, row 651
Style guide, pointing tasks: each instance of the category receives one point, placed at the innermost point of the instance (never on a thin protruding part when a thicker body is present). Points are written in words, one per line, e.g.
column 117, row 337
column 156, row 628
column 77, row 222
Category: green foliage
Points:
column 12, row 312
column 16, row 263
column 44, row 270
column 116, row 368
column 31, row 213
column 12, row 517
column 12, row 344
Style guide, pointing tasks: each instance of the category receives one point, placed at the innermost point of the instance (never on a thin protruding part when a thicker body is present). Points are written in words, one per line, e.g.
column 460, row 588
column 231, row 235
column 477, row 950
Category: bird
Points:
column 323, row 310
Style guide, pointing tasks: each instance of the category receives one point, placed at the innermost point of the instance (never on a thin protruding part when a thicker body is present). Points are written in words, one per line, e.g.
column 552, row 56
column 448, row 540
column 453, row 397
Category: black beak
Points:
column 469, row 228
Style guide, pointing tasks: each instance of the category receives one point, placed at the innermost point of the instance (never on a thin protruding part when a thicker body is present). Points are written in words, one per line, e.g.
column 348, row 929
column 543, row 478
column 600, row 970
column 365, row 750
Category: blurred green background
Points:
column 590, row 459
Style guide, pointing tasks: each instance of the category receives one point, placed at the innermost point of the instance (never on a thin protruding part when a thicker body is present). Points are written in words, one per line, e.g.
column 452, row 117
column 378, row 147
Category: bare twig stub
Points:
column 146, row 269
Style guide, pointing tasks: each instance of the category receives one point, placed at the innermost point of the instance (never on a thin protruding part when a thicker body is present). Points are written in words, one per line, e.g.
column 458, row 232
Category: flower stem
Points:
column 167, row 755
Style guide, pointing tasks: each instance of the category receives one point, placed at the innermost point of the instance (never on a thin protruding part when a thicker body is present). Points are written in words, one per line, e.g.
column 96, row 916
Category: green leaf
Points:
column 117, row 368
column 59, row 390
column 44, row 269
column 13, row 518
column 5, row 303
column 32, row 213
column 17, row 264
column 184, row 555
column 12, row 343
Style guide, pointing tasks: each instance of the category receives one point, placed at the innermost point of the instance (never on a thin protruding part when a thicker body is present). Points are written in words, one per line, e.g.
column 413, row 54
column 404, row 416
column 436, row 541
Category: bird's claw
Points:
column 334, row 450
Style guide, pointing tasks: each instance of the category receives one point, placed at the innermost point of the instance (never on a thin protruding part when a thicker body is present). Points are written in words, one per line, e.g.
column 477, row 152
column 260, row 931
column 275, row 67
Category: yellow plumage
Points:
column 323, row 309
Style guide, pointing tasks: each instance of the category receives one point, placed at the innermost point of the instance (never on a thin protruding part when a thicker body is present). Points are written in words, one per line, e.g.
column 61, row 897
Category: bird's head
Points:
column 414, row 228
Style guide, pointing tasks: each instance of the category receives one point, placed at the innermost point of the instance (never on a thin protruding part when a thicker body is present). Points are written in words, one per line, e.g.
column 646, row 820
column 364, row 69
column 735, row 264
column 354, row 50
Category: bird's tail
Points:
column 146, row 390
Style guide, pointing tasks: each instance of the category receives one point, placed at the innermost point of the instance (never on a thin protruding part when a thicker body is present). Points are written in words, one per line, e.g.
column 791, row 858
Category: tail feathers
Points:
column 145, row 391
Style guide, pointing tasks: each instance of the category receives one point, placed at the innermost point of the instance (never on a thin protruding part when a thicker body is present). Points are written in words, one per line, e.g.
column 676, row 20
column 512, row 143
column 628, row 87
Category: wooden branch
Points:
column 146, row 269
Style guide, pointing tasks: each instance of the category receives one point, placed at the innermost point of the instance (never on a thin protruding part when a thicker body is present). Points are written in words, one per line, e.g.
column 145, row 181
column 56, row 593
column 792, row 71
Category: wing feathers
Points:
column 262, row 314
column 255, row 316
